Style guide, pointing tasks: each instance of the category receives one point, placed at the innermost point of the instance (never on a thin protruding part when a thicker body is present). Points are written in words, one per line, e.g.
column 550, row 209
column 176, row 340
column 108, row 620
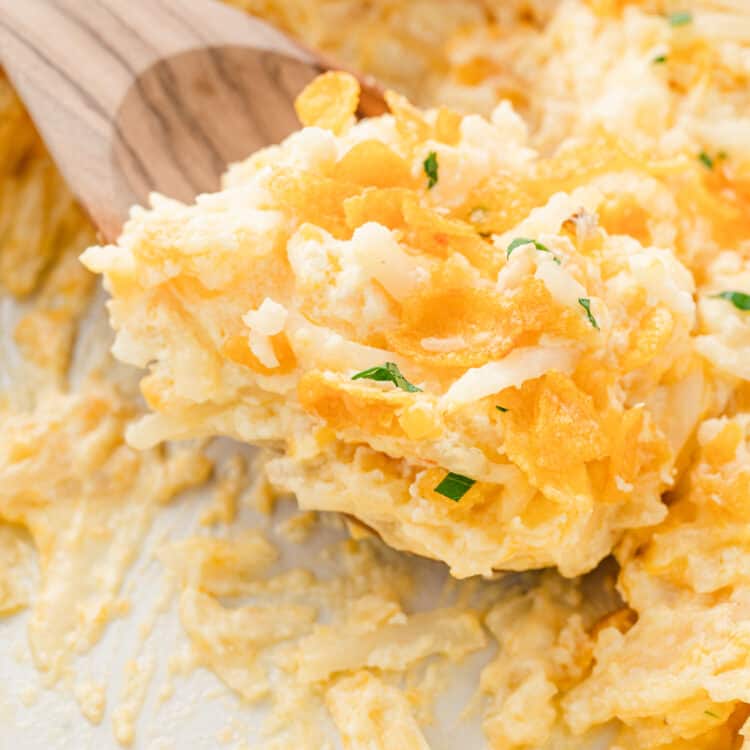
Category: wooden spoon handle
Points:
column 89, row 50
column 139, row 95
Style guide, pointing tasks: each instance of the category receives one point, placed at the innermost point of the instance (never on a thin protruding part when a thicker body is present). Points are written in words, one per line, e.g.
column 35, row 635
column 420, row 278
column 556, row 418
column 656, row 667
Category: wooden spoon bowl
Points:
column 133, row 96
column 205, row 109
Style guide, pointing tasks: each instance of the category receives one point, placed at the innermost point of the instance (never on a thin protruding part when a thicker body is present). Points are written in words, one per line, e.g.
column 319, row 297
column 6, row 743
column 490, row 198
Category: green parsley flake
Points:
column 454, row 486
column 706, row 160
column 740, row 300
column 710, row 713
column 387, row 372
column 659, row 59
column 585, row 303
column 430, row 165
column 501, row 408
column 681, row 18
column 520, row 241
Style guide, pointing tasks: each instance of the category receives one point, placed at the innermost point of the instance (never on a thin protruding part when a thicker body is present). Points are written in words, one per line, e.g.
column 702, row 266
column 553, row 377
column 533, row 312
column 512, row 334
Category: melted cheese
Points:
column 87, row 501
column 372, row 715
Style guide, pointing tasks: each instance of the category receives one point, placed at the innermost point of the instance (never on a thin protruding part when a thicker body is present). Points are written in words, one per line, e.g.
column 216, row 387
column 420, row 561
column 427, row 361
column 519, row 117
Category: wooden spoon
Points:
column 133, row 96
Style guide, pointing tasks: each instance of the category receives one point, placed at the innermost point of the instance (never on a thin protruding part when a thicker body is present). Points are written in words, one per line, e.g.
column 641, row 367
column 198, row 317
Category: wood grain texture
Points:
column 139, row 95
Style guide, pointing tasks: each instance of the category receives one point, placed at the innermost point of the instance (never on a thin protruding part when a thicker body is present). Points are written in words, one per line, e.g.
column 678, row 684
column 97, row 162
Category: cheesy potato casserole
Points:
column 395, row 325
column 491, row 357
column 505, row 326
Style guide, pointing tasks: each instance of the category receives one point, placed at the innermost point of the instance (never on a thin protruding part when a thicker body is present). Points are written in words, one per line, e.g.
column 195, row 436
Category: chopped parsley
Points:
column 501, row 408
column 388, row 372
column 430, row 165
column 454, row 486
column 585, row 303
column 659, row 59
column 710, row 713
column 680, row 18
column 740, row 300
column 706, row 160
column 520, row 241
